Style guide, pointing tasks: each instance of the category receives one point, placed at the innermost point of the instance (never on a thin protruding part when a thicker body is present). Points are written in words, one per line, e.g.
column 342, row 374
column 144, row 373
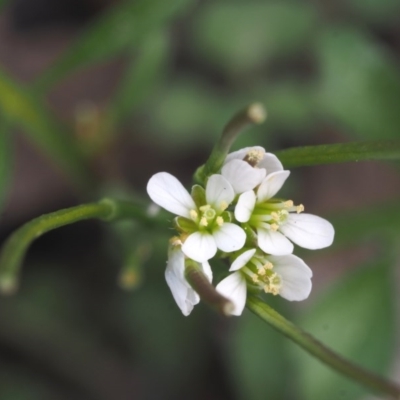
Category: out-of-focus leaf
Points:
column 189, row 111
column 45, row 323
column 117, row 29
column 290, row 105
column 23, row 110
column 382, row 219
column 380, row 12
column 356, row 318
column 258, row 361
column 5, row 159
column 169, row 348
column 142, row 76
column 240, row 36
column 360, row 84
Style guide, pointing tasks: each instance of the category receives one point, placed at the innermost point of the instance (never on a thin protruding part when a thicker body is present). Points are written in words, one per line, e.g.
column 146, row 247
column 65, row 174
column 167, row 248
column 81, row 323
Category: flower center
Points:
column 254, row 156
column 260, row 274
column 272, row 214
column 208, row 217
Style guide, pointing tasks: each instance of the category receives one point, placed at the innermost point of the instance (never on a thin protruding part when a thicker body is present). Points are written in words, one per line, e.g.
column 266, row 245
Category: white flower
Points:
column 246, row 168
column 278, row 221
column 287, row 276
column 186, row 298
column 206, row 228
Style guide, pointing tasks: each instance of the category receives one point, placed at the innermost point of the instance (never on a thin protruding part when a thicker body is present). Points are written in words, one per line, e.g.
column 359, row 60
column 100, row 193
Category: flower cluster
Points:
column 237, row 217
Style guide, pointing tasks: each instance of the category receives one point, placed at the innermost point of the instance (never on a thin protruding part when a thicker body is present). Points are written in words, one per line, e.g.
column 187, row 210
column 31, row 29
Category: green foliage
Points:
column 377, row 12
column 380, row 222
column 23, row 109
column 144, row 73
column 360, row 83
column 188, row 111
column 356, row 318
column 6, row 156
column 258, row 361
column 118, row 29
column 240, row 37
column 341, row 152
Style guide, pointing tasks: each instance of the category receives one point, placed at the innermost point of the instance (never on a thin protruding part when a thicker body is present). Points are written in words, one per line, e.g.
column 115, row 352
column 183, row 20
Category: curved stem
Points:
column 15, row 248
column 253, row 114
column 207, row 292
column 318, row 350
column 341, row 152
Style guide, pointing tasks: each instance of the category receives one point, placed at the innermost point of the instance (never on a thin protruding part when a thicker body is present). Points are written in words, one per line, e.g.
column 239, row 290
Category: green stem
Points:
column 253, row 114
column 341, row 152
column 15, row 248
column 318, row 350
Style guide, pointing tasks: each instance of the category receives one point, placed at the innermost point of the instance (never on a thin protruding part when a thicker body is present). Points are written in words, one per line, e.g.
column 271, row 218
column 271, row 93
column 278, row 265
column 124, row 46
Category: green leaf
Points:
column 341, row 152
column 258, row 361
column 119, row 28
column 368, row 222
column 239, row 37
column 21, row 109
column 356, row 318
column 6, row 156
column 179, row 114
column 141, row 77
column 360, row 84
column 378, row 12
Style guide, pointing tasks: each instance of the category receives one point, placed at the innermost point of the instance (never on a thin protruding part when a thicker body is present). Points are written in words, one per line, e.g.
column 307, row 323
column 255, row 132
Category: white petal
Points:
column 272, row 242
column 271, row 163
column 200, row 247
column 166, row 191
column 234, row 288
column 219, row 192
column 184, row 296
column 229, row 237
column 242, row 175
column 241, row 154
column 207, row 270
column 245, row 206
column 242, row 260
column 271, row 185
column 308, row 231
column 295, row 275
column 176, row 261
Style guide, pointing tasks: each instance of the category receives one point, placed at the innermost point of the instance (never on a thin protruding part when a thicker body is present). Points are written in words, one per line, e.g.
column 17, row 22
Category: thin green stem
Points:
column 341, row 152
column 318, row 350
column 253, row 114
column 15, row 248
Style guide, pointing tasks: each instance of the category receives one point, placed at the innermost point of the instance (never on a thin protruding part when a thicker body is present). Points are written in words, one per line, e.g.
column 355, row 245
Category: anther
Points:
column 274, row 227
column 254, row 156
column 203, row 221
column 288, row 203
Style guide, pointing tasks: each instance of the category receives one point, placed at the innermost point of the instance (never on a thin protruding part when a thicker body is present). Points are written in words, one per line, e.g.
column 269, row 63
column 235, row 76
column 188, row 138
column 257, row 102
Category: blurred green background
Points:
column 97, row 95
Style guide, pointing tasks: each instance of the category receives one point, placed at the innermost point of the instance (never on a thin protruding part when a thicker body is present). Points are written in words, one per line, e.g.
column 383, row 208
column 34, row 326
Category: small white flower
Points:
column 287, row 276
column 185, row 297
column 246, row 168
column 278, row 221
column 207, row 227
